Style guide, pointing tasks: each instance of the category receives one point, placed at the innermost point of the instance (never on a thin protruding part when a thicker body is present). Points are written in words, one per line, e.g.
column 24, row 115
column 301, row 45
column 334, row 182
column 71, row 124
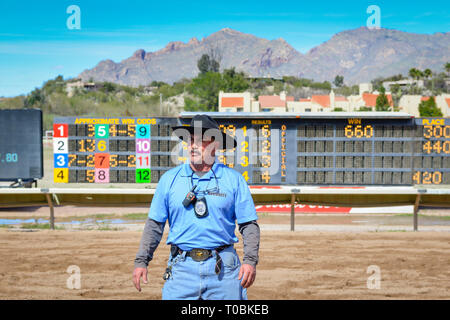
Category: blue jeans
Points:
column 192, row 280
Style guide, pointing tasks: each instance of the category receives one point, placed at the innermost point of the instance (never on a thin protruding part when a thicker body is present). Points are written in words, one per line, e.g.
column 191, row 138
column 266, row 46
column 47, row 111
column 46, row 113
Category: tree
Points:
column 429, row 108
column 428, row 73
column 34, row 98
column 204, row 64
column 415, row 73
column 215, row 54
column 382, row 103
column 206, row 88
column 190, row 104
column 108, row 87
column 158, row 84
column 210, row 61
column 338, row 81
column 215, row 66
column 234, row 81
column 447, row 67
column 396, row 91
column 420, row 74
column 207, row 64
column 278, row 86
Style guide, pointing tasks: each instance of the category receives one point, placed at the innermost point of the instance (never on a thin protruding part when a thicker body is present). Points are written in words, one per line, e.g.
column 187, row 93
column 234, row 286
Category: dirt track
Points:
column 299, row 265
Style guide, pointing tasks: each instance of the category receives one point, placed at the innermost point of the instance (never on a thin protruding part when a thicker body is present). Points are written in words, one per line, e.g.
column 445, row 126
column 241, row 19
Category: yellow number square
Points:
column 61, row 175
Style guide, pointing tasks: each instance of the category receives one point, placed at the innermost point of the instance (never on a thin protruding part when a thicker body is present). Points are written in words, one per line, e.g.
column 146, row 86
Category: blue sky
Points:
column 36, row 45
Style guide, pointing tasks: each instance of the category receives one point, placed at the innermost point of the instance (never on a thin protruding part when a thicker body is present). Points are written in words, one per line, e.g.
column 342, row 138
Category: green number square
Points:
column 101, row 131
column 143, row 175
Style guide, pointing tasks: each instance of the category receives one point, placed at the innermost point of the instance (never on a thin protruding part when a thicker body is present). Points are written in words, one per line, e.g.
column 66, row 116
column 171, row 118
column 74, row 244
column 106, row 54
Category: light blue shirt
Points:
column 228, row 200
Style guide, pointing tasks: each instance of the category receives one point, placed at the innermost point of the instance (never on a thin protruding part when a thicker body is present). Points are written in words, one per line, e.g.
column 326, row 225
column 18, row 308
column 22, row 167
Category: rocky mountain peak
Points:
column 139, row 54
column 359, row 55
column 194, row 41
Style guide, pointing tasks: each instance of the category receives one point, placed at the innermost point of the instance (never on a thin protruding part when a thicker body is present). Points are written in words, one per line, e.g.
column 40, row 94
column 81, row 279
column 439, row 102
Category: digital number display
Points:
column 21, row 153
column 432, row 152
column 271, row 150
column 111, row 150
column 358, row 131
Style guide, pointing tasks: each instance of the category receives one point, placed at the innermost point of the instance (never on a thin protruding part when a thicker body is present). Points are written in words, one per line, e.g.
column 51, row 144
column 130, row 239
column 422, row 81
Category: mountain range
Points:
column 360, row 55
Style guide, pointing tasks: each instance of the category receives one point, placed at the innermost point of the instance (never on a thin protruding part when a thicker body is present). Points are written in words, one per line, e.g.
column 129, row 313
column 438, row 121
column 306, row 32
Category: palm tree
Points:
column 419, row 74
column 429, row 74
column 415, row 73
column 447, row 67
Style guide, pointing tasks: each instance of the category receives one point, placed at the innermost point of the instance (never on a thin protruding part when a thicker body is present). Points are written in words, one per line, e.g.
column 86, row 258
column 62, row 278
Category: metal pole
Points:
column 52, row 213
column 416, row 213
column 293, row 212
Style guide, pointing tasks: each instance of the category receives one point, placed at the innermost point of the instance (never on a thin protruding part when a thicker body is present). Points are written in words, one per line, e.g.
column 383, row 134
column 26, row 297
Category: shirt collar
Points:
column 217, row 167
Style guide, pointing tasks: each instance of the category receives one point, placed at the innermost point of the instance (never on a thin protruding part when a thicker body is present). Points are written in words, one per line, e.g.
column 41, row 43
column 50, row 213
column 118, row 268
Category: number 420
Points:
column 427, row 177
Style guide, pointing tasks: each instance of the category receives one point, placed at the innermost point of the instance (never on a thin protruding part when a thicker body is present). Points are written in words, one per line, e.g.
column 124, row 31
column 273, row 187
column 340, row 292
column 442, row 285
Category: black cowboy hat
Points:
column 205, row 123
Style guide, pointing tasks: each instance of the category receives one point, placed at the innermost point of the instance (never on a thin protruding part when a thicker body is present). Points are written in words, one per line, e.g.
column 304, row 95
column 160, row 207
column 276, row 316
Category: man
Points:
column 202, row 200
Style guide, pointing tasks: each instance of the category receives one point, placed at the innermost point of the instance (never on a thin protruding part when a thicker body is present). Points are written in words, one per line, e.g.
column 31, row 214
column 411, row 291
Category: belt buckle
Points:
column 199, row 254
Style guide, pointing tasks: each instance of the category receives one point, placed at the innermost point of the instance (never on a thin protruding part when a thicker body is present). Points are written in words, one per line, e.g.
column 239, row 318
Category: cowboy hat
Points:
column 207, row 125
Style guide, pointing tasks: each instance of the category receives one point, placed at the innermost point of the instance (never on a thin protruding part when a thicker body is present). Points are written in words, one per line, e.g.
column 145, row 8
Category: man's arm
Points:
column 153, row 231
column 251, row 236
column 151, row 237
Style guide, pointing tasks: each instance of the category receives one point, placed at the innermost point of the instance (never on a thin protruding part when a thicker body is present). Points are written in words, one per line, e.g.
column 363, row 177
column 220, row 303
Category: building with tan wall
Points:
column 319, row 103
column 410, row 104
column 274, row 103
column 235, row 102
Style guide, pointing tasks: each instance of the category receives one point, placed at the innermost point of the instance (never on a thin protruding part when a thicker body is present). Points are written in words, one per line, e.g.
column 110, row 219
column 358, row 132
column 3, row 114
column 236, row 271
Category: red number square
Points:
column 60, row 130
column 102, row 160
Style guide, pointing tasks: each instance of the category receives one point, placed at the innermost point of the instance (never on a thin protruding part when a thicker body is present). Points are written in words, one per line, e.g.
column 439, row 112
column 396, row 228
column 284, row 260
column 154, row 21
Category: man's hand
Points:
column 248, row 274
column 137, row 274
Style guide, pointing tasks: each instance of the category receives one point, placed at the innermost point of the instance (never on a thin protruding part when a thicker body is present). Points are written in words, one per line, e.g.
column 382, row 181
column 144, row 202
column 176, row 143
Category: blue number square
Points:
column 61, row 160
column 142, row 131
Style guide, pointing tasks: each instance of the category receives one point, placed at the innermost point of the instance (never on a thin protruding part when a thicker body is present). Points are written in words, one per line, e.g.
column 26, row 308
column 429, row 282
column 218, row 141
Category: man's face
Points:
column 202, row 149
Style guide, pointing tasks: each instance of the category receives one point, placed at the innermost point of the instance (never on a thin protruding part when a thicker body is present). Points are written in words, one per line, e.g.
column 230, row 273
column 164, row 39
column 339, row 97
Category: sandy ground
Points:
column 293, row 265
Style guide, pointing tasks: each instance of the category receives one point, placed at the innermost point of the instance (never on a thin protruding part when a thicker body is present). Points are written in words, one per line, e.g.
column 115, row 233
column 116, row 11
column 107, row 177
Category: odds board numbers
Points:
column 60, row 153
column 271, row 149
column 433, row 152
column 95, row 150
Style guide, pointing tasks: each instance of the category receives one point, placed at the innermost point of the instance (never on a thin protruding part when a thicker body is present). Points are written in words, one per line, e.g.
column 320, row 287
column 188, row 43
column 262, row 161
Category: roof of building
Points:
column 305, row 115
column 305, row 100
column 232, row 102
column 370, row 99
column 323, row 100
column 271, row 101
column 290, row 98
column 340, row 98
column 448, row 102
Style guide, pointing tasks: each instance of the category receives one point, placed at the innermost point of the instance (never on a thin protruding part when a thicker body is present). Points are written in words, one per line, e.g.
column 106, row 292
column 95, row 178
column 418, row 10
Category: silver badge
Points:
column 200, row 208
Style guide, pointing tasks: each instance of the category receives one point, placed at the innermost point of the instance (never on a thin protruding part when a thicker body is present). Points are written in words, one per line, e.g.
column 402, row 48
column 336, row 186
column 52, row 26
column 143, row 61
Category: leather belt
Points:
column 201, row 254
